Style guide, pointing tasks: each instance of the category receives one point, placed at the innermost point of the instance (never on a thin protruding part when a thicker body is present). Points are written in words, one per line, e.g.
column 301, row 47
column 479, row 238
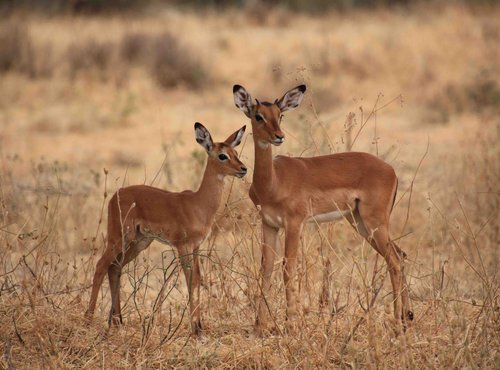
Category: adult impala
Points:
column 139, row 214
column 291, row 191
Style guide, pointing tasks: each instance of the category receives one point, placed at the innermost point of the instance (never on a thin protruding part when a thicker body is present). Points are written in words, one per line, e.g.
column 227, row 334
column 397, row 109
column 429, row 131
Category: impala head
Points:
column 266, row 117
column 223, row 154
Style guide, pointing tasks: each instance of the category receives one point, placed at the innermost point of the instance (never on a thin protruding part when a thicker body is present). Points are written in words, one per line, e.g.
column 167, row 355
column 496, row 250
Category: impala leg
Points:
column 114, row 275
column 381, row 238
column 407, row 314
column 191, row 267
column 292, row 237
column 100, row 271
column 269, row 244
column 376, row 232
column 195, row 294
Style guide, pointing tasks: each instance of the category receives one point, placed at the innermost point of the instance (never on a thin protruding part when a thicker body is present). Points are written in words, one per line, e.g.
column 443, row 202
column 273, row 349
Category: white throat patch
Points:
column 263, row 144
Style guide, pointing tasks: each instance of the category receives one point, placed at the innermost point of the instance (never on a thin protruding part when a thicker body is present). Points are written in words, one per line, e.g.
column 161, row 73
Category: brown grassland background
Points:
column 417, row 86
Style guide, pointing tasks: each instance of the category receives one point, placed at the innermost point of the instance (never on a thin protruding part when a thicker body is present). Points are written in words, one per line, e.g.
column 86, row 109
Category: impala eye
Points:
column 223, row 157
column 258, row 117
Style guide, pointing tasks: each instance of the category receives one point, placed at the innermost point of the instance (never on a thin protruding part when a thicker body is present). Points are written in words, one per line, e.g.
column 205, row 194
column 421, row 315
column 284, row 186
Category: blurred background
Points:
column 95, row 95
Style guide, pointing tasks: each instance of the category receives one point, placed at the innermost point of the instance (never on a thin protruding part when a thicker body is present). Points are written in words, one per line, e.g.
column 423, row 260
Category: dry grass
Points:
column 57, row 133
column 19, row 54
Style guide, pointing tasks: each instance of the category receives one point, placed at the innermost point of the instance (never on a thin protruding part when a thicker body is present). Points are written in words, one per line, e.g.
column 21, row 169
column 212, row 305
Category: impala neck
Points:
column 263, row 175
column 210, row 191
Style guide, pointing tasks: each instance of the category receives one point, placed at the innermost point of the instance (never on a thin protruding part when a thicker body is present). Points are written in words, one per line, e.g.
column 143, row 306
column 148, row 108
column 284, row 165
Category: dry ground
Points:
column 422, row 89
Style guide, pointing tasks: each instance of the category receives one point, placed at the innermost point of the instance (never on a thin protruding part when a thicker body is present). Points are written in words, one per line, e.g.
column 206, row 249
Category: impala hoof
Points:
column 291, row 328
column 115, row 320
column 197, row 329
column 407, row 317
column 88, row 317
column 260, row 331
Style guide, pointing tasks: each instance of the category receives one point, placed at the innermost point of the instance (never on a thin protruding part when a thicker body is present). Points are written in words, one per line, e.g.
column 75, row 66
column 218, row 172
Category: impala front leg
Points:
column 292, row 237
column 270, row 241
column 190, row 265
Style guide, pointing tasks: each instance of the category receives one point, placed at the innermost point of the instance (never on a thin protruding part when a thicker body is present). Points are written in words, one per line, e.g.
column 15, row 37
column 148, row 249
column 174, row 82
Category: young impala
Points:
column 139, row 214
column 291, row 191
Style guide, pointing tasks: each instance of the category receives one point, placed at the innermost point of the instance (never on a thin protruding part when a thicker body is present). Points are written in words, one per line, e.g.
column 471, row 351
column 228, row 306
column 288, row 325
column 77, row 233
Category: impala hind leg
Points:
column 100, row 271
column 114, row 275
column 381, row 239
column 269, row 245
column 191, row 267
column 375, row 231
column 407, row 314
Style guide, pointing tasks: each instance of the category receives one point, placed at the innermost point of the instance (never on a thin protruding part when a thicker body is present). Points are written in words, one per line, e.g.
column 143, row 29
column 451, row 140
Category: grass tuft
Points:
column 18, row 52
column 89, row 56
column 174, row 64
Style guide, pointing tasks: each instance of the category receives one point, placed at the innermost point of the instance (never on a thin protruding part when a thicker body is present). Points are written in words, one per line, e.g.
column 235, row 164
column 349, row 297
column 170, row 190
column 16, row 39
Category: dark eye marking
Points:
column 258, row 117
column 223, row 157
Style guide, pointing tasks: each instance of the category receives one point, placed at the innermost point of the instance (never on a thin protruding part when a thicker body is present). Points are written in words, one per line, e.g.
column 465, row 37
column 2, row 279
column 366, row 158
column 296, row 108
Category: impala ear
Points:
column 243, row 100
column 291, row 99
column 203, row 137
column 235, row 139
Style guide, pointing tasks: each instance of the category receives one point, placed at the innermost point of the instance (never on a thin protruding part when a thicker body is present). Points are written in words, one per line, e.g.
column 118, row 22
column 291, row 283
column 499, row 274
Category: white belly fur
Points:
column 329, row 216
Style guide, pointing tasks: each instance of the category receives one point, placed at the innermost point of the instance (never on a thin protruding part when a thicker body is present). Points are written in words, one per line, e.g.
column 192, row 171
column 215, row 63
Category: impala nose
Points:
column 279, row 139
column 243, row 172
